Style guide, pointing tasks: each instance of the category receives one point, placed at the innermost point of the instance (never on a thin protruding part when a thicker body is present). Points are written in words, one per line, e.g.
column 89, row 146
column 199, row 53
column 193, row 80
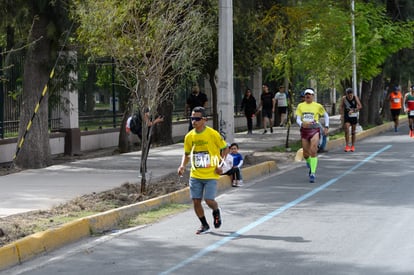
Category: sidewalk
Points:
column 45, row 188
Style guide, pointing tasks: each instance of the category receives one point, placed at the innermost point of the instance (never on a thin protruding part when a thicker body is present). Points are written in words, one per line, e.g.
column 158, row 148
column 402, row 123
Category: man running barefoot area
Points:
column 349, row 110
column 409, row 109
column 206, row 148
column 307, row 117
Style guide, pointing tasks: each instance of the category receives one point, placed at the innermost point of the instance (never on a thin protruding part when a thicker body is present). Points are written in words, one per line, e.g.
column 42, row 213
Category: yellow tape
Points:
column 21, row 142
column 29, row 125
column 44, row 90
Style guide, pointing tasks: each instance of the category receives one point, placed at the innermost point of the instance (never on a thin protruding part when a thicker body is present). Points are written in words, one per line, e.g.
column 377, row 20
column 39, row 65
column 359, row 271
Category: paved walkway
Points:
column 45, row 188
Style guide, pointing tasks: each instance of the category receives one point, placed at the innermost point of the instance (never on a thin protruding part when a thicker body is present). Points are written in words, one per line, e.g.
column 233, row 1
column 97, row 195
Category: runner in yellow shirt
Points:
column 307, row 117
column 205, row 147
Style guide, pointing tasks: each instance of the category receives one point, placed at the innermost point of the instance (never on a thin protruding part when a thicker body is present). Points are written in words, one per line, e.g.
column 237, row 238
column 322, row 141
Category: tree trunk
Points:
column 35, row 150
column 374, row 105
column 365, row 94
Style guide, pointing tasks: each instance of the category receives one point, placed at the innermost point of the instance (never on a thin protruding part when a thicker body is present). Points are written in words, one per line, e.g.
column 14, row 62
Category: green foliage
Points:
column 153, row 42
column 378, row 38
column 313, row 39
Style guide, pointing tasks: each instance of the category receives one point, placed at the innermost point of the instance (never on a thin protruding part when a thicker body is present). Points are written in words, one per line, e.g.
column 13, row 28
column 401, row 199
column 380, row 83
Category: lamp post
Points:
column 354, row 75
column 225, row 98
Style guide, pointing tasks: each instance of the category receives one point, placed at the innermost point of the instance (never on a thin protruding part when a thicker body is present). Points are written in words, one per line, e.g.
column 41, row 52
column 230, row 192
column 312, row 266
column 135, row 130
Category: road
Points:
column 356, row 219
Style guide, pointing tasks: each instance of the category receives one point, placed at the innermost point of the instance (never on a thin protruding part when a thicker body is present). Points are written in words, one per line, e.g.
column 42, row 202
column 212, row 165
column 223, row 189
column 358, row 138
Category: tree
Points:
column 153, row 43
column 313, row 40
column 36, row 27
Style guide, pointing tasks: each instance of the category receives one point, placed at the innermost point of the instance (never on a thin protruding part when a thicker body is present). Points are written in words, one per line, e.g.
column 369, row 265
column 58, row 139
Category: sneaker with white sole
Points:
column 203, row 230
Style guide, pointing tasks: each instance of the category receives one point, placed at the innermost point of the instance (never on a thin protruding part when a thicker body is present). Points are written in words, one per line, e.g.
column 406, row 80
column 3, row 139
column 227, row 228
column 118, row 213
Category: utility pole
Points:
column 354, row 74
column 225, row 102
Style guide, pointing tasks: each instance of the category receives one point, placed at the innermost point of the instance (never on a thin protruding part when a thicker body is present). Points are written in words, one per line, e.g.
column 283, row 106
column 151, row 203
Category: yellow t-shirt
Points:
column 310, row 112
column 204, row 150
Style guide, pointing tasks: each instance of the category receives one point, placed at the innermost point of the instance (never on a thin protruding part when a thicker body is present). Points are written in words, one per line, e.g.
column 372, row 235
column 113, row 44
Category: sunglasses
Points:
column 196, row 118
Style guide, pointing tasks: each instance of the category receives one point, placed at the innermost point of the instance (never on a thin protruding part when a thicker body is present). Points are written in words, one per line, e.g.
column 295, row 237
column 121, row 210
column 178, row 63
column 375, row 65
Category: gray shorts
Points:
column 198, row 187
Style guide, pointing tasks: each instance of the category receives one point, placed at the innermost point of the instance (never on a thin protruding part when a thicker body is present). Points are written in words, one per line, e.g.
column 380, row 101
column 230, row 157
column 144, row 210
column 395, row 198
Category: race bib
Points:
column 396, row 100
column 353, row 114
column 308, row 117
column 201, row 159
column 412, row 113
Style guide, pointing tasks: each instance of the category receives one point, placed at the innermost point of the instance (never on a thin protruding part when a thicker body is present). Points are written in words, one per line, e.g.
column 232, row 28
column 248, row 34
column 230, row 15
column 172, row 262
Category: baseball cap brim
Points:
column 308, row 92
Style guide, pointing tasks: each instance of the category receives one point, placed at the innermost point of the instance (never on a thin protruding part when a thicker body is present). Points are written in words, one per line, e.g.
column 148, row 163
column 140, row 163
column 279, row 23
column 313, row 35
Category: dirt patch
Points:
column 18, row 226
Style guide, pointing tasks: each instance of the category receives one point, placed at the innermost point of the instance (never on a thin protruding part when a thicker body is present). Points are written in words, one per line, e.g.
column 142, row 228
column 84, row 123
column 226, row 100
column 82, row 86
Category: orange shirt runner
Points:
column 396, row 100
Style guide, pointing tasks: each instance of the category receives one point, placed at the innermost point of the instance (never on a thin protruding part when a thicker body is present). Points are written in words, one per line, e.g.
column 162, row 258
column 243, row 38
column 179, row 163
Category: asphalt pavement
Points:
column 41, row 189
column 355, row 219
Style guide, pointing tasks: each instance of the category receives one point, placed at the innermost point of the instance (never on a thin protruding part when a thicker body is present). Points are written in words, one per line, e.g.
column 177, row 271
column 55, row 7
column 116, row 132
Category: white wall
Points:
column 101, row 139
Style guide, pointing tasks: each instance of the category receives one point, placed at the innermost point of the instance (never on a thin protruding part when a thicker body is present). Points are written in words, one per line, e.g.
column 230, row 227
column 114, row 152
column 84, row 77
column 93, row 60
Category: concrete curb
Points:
column 46, row 241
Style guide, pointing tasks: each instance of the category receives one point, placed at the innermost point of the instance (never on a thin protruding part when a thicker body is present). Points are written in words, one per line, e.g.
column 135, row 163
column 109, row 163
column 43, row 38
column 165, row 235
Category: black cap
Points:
column 349, row 90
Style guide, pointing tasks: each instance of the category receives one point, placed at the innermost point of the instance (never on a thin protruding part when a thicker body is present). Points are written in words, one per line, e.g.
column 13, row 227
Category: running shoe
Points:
column 312, row 178
column 271, row 129
column 347, row 148
column 217, row 218
column 411, row 133
column 203, row 230
column 265, row 131
column 352, row 148
column 240, row 183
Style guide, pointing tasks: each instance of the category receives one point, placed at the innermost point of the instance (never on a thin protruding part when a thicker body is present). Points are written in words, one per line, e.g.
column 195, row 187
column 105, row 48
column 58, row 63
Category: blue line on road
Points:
column 270, row 215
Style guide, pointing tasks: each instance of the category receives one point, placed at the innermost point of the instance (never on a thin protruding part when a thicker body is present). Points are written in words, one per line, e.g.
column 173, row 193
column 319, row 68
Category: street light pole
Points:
column 225, row 98
column 354, row 75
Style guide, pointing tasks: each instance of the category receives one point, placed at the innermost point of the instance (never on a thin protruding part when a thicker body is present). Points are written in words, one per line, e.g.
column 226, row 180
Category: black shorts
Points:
column 267, row 113
column 411, row 114
column 282, row 110
column 351, row 120
column 395, row 112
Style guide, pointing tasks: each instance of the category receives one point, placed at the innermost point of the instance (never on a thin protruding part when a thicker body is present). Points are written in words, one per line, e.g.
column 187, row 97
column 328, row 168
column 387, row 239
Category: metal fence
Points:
column 11, row 88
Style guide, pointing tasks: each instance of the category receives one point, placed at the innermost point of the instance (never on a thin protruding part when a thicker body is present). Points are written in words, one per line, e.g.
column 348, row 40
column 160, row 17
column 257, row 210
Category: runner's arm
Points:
column 299, row 120
column 326, row 118
column 184, row 161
